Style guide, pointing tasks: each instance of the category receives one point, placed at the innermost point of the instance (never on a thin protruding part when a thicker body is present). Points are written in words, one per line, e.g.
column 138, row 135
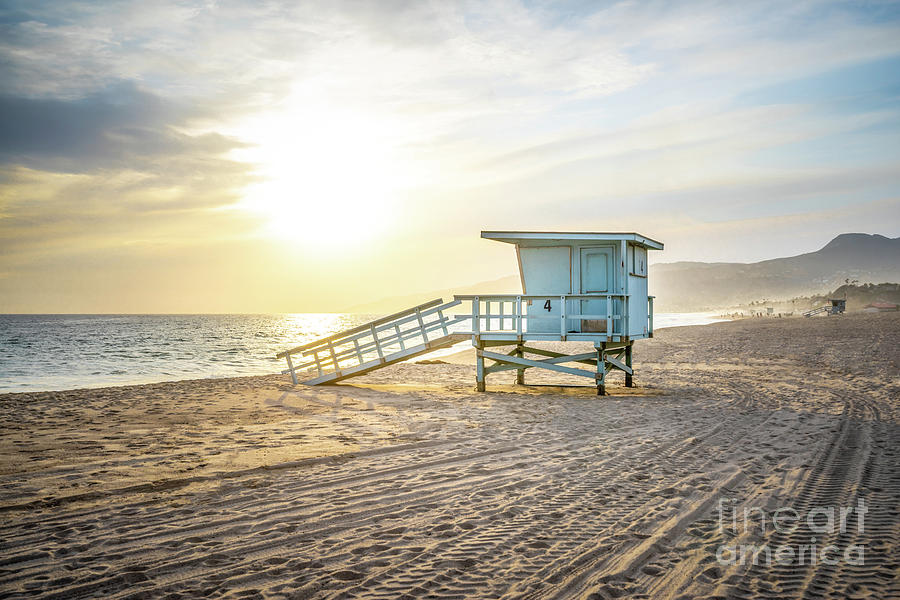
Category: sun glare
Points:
column 326, row 176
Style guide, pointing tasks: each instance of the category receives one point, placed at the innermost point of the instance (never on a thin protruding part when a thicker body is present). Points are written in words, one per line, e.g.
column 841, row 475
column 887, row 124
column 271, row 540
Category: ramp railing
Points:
column 369, row 346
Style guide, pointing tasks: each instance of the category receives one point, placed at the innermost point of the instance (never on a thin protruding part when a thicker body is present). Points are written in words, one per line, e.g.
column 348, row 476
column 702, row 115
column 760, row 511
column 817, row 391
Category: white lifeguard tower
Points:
column 577, row 286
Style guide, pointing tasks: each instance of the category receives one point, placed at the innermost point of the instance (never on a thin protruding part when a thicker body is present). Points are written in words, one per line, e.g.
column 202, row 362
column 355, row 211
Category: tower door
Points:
column 597, row 277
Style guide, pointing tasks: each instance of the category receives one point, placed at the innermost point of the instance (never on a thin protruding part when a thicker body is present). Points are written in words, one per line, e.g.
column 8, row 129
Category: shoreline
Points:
column 437, row 354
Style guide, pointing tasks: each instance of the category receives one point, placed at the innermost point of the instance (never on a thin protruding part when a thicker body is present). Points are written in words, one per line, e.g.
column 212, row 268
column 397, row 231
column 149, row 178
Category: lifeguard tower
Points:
column 837, row 307
column 580, row 286
column 577, row 286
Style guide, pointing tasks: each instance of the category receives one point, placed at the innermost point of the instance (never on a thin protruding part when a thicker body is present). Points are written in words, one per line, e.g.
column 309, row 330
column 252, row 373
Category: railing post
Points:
column 358, row 351
column 443, row 322
column 421, row 325
column 650, row 314
column 562, row 318
column 476, row 315
column 318, row 362
column 400, row 337
column 609, row 330
column 334, row 360
column 519, row 316
column 487, row 314
column 291, row 368
column 377, row 344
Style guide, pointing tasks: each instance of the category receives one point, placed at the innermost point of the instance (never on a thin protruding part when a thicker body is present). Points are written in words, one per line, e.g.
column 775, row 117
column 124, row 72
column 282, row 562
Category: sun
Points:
column 326, row 176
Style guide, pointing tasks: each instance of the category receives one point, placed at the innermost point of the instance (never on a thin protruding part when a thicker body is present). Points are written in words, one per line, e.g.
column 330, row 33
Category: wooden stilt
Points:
column 479, row 369
column 629, row 382
column 520, row 373
column 601, row 370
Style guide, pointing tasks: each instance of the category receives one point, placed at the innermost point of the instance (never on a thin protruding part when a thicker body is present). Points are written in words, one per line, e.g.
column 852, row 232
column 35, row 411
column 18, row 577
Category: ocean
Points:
column 60, row 352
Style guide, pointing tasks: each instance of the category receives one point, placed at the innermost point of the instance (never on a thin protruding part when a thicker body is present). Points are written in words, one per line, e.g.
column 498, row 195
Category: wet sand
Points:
column 407, row 483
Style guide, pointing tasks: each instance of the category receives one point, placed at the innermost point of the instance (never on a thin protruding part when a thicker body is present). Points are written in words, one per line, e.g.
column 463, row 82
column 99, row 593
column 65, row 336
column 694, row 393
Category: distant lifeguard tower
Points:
column 577, row 286
column 837, row 306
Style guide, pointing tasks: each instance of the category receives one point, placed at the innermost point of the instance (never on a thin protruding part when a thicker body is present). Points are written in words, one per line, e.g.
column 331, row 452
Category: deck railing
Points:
column 407, row 331
column 508, row 313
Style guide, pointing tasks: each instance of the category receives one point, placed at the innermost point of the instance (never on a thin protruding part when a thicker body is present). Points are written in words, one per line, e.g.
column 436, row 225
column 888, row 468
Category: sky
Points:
column 165, row 157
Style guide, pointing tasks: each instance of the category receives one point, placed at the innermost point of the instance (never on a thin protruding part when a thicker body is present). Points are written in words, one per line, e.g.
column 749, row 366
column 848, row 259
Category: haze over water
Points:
column 58, row 352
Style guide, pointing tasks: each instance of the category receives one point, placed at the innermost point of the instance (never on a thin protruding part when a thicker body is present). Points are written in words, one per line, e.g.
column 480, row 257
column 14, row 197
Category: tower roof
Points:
column 517, row 237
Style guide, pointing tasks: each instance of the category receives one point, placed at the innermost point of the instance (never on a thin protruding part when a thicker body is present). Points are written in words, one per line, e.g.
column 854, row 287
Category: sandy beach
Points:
column 407, row 483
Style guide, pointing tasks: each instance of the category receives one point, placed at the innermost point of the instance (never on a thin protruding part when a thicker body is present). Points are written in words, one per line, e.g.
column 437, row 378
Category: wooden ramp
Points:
column 816, row 311
column 385, row 341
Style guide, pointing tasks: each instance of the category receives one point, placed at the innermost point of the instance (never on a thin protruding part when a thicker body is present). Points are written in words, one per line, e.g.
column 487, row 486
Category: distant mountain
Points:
column 689, row 286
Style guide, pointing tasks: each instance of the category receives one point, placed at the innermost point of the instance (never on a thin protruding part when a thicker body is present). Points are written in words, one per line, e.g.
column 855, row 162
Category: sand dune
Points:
column 406, row 483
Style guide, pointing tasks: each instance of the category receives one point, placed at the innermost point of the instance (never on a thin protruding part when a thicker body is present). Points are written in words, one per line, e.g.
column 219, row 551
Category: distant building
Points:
column 880, row 307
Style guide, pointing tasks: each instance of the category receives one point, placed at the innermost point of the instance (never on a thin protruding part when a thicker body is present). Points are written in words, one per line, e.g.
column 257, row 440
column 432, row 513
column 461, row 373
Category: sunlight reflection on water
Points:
column 54, row 352
column 57, row 352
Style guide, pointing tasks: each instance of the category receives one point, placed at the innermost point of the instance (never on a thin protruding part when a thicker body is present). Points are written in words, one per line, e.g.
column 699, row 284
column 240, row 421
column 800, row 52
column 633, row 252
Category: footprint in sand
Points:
column 347, row 575
column 607, row 591
column 373, row 549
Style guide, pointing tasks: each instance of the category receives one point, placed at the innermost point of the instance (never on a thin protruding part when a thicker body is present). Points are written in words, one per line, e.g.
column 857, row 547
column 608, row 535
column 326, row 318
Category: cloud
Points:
column 704, row 157
column 468, row 51
column 765, row 237
column 43, row 212
column 107, row 169
column 118, row 127
column 123, row 125
column 752, row 41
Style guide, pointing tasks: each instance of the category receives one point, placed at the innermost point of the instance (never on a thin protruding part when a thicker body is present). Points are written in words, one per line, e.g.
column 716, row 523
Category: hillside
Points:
column 858, row 296
column 688, row 286
column 699, row 286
